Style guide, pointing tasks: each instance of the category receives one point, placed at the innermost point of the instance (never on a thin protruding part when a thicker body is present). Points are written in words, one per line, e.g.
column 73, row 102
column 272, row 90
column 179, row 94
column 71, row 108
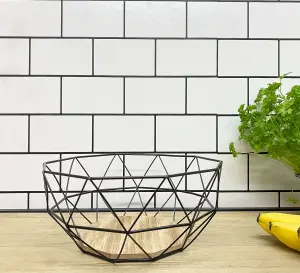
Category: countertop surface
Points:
column 233, row 242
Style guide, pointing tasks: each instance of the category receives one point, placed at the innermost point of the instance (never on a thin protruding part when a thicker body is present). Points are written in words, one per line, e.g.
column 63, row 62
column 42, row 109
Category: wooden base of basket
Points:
column 153, row 242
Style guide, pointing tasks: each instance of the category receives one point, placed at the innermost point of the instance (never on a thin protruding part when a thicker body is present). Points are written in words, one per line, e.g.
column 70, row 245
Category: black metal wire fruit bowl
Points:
column 142, row 206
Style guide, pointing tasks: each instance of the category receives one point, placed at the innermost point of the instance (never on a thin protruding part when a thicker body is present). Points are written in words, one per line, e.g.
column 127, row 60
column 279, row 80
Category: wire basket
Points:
column 130, row 207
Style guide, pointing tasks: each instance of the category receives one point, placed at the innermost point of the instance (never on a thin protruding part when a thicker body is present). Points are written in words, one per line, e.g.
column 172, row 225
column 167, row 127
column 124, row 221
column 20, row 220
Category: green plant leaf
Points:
column 292, row 200
column 232, row 149
column 272, row 124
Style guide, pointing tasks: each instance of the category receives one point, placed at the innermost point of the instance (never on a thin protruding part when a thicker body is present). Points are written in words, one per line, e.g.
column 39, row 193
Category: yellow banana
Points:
column 287, row 233
column 264, row 219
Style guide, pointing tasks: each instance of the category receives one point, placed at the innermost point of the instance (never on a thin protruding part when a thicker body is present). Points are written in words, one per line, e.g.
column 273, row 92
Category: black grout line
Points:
column 144, row 76
column 28, row 136
column 60, row 96
column 184, row 1
column 155, row 56
column 248, row 172
column 154, row 201
column 279, row 203
column 93, row 57
column 97, row 152
column 185, row 169
column 278, row 58
column 186, row 19
column 92, row 200
column 124, row 158
column 93, row 129
column 185, row 96
column 28, row 200
column 217, row 58
column 248, row 91
column 60, row 168
column 124, row 18
column 29, row 56
column 155, row 133
column 217, row 134
column 61, row 17
column 225, row 1
column 124, row 95
column 119, row 114
column 147, row 38
column 248, row 18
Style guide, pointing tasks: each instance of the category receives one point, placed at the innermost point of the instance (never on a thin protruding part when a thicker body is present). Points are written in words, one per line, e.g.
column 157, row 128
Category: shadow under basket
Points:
column 132, row 207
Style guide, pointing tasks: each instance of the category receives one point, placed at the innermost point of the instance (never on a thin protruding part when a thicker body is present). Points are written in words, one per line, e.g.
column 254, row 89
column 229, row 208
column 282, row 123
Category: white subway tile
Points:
column 124, row 57
column 60, row 133
column 101, row 18
column 215, row 95
column 155, row 95
column 248, row 58
column 84, row 202
column 216, row 19
column 228, row 132
column 257, row 83
column 210, row 200
column 202, row 181
column 29, row 95
column 283, row 20
column 285, row 199
column 122, row 200
column 186, row 57
column 10, row 201
column 289, row 57
column 38, row 201
column 14, row 56
column 61, row 57
column 95, row 166
column 270, row 174
column 14, row 134
column 141, row 165
column 188, row 201
column 29, row 18
column 155, row 19
column 233, row 175
column 248, row 200
column 165, row 200
column 288, row 83
column 168, row 198
column 208, row 181
column 186, row 133
column 124, row 133
column 92, row 95
column 24, row 172
column 234, row 172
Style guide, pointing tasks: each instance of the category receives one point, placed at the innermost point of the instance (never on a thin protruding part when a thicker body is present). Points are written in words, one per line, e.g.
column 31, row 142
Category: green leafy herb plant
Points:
column 271, row 125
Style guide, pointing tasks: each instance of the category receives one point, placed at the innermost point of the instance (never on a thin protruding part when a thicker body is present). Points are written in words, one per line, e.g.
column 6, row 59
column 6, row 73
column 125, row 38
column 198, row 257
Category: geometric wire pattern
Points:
column 160, row 216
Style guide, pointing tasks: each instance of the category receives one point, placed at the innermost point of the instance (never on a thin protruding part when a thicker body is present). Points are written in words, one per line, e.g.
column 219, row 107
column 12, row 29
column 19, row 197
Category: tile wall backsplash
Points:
column 81, row 77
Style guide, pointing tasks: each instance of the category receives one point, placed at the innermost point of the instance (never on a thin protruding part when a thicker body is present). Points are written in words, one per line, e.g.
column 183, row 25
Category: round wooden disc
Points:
column 153, row 242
